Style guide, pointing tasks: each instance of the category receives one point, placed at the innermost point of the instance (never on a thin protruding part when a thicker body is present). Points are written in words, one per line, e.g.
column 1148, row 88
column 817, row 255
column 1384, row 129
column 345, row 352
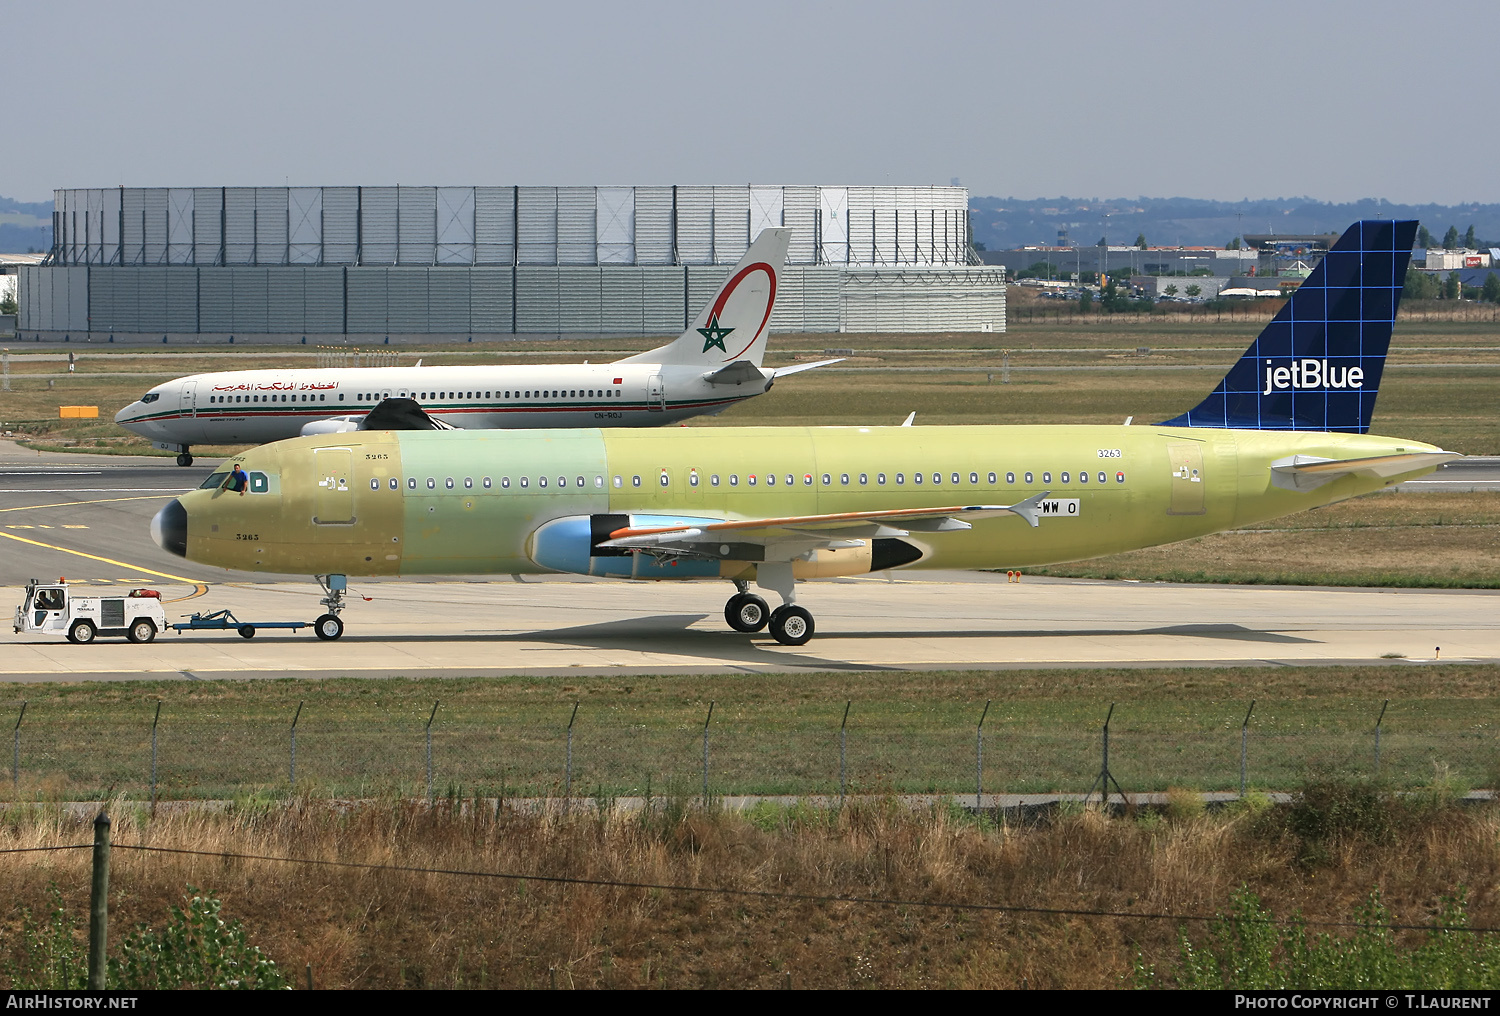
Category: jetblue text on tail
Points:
column 1303, row 374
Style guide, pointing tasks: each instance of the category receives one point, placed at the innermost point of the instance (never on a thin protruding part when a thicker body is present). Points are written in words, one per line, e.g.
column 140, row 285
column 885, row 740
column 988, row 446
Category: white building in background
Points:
column 379, row 264
column 10, row 267
column 1440, row 260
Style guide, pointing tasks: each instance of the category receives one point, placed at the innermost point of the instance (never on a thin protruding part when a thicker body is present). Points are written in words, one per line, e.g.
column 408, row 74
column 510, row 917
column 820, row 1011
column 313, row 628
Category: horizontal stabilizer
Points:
column 737, row 373
column 1308, row 472
column 798, row 368
column 401, row 414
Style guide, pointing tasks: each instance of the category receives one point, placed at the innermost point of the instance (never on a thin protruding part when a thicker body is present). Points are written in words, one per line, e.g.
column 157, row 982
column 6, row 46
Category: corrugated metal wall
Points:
column 493, row 260
column 437, row 300
column 478, row 225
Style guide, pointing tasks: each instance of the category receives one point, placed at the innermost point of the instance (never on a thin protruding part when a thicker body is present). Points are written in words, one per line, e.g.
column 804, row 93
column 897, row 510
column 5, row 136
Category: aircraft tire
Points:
column 247, row 631
column 141, row 632
column 747, row 612
column 81, row 633
column 328, row 627
column 184, row 459
column 792, row 626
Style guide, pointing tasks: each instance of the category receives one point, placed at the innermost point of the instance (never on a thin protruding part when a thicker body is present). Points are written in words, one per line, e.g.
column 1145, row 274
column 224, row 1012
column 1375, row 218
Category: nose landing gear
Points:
column 184, row 458
column 329, row 626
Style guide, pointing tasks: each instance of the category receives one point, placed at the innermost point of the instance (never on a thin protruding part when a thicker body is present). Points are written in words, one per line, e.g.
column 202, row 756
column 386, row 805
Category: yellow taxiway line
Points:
column 70, row 504
column 199, row 590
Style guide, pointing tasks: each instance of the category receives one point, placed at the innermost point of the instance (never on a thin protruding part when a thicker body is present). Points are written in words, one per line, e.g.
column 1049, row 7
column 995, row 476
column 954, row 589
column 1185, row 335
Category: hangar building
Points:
column 383, row 264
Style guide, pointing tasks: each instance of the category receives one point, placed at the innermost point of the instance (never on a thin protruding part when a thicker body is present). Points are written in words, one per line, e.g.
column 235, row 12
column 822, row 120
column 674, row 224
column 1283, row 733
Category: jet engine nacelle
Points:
column 571, row 544
column 337, row 425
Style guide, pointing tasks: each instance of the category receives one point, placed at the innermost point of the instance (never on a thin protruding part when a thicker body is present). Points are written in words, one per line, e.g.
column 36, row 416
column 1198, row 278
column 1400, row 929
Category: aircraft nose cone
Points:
column 124, row 414
column 169, row 528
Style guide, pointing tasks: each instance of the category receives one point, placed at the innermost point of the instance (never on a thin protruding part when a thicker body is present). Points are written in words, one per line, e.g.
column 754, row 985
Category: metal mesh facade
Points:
column 282, row 263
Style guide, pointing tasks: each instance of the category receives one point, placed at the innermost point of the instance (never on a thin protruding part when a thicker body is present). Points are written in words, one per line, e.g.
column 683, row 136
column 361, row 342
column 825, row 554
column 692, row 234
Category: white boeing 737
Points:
column 709, row 367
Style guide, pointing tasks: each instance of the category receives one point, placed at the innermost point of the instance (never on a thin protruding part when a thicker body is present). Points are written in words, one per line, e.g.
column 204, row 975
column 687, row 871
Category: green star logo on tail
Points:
column 713, row 335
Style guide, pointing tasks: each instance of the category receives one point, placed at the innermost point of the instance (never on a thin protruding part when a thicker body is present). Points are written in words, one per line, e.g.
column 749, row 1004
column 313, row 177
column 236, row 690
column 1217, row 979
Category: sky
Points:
column 1333, row 100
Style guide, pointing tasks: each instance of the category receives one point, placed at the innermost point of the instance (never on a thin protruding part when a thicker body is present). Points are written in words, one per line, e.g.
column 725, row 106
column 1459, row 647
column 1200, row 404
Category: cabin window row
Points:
column 557, row 393
column 488, row 483
column 227, row 399
column 664, row 479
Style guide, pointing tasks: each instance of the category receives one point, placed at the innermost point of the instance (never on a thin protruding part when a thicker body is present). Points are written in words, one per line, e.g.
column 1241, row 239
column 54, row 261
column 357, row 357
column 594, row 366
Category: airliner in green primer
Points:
column 1287, row 429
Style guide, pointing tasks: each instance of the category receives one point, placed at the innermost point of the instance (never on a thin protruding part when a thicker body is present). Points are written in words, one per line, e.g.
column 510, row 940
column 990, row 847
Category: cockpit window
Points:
column 214, row 481
column 151, row 396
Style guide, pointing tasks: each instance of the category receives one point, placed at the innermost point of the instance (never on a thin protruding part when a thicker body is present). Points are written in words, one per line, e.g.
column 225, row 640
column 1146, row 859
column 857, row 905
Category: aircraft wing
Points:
column 736, row 373
column 810, row 532
column 1308, row 472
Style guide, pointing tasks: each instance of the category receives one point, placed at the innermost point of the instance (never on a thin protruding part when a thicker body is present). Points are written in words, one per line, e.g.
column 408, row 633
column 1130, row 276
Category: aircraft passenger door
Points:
column 335, row 499
column 656, row 394
column 1186, row 458
column 189, row 404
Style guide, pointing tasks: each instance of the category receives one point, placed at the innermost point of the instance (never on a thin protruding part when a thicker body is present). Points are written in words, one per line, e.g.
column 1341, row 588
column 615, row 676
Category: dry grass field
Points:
column 385, row 929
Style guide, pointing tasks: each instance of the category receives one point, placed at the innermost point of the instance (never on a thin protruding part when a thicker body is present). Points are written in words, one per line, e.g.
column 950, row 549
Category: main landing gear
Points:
column 790, row 624
column 329, row 626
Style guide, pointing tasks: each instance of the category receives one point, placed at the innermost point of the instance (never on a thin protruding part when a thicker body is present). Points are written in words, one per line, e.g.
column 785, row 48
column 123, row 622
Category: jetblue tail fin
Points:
column 1317, row 365
column 732, row 326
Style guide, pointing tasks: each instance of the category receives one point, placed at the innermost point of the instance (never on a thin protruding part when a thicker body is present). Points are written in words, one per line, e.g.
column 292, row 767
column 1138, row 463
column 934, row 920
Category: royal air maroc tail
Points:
column 1286, row 430
column 715, row 363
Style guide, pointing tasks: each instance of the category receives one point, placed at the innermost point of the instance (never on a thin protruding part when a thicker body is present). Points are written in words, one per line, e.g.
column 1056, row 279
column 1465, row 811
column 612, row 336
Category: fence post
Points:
column 1105, row 777
column 292, row 764
column 568, row 772
column 705, row 752
column 429, row 751
column 1244, row 741
column 979, row 756
column 843, row 742
column 15, row 751
column 154, row 720
column 1378, row 720
column 99, row 904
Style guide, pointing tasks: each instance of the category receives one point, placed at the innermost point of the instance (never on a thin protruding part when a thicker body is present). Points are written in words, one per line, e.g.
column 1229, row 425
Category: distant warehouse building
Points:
column 381, row 264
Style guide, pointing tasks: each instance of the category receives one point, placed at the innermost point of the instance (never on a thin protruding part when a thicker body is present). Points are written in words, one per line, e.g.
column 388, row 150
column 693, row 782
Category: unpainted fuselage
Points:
column 480, row 502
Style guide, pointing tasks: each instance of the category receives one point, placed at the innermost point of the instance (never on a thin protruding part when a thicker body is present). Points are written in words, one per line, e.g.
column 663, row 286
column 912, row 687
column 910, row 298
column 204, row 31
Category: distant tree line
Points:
column 1426, row 286
column 1451, row 239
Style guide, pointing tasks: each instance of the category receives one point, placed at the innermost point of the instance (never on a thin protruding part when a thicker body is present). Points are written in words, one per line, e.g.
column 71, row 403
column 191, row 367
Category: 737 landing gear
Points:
column 184, row 458
column 745, row 611
column 329, row 626
column 791, row 625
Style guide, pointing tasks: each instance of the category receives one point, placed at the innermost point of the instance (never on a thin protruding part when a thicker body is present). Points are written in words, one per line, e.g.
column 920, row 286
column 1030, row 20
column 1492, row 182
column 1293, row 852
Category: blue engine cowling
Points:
column 571, row 544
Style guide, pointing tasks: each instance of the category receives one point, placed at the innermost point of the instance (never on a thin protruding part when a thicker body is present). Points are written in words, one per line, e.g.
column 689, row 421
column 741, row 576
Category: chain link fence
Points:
column 195, row 750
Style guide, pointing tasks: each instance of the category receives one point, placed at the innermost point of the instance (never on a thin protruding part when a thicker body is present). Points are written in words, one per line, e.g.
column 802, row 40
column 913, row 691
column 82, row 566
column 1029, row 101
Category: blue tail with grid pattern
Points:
column 1317, row 365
